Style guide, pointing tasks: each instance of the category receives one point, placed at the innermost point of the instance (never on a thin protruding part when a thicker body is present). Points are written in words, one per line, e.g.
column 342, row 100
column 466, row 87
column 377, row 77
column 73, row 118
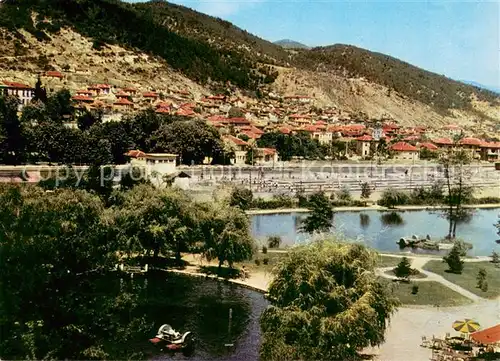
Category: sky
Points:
column 459, row 39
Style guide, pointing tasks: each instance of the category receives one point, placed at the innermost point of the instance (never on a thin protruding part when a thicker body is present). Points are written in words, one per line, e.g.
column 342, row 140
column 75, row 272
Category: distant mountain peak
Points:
column 291, row 44
column 482, row 86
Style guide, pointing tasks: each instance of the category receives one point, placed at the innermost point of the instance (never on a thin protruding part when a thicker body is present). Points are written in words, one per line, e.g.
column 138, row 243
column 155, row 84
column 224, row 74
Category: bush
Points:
column 241, row 198
column 264, row 249
column 495, row 258
column 265, row 261
column 280, row 201
column 403, row 270
column 392, row 197
column 414, row 289
column 481, row 278
column 274, row 242
column 484, row 286
column 485, row 200
column 257, row 262
column 455, row 263
column 344, row 194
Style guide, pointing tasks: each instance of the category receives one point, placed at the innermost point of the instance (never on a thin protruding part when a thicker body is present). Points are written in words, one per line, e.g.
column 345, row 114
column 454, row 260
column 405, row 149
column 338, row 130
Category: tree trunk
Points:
column 450, row 209
column 220, row 267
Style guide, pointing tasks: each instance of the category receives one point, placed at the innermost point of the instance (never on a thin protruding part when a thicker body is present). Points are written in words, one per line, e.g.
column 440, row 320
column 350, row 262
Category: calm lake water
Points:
column 202, row 307
column 369, row 228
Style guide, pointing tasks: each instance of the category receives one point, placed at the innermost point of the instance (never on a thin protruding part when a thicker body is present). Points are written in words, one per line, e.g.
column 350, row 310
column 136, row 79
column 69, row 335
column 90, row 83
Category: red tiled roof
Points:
column 121, row 94
column 365, row 138
column 123, row 101
column 235, row 140
column 188, row 105
column 256, row 130
column 215, row 97
column 162, row 110
column 54, row 74
column 443, row 141
column 129, row 90
column 268, row 151
column 452, row 127
column 320, row 122
column 183, row 92
column 236, row 121
column 82, row 98
column 299, row 116
column 103, row 86
column 83, row 92
column 150, row 95
column 215, row 118
column 488, row 335
column 403, row 147
column 164, row 105
column 428, row 145
column 12, row 84
column 310, row 128
column 250, row 134
column 491, row 145
column 135, row 153
column 470, row 141
column 411, row 138
column 185, row 112
column 285, row 130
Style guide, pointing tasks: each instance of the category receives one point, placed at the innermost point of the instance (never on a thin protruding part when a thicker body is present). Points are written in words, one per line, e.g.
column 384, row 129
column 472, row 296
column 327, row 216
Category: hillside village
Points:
column 242, row 121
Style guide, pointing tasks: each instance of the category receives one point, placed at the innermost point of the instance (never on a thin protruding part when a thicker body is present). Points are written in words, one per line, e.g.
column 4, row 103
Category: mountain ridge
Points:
column 217, row 56
column 291, row 44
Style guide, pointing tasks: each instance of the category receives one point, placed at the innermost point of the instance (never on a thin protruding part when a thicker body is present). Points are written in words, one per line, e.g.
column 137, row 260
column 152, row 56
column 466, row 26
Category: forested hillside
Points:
column 429, row 88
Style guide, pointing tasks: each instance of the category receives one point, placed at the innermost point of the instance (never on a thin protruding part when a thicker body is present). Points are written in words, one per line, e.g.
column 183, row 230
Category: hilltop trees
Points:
column 326, row 304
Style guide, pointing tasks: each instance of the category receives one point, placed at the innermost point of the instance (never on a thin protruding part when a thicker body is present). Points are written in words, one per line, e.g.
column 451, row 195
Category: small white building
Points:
column 157, row 166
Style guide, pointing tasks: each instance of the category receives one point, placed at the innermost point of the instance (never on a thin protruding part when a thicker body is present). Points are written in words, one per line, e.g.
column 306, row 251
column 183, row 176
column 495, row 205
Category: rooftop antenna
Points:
column 229, row 328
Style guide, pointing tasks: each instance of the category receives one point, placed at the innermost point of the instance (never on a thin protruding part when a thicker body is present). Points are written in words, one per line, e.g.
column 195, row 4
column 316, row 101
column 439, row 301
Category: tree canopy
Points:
column 326, row 304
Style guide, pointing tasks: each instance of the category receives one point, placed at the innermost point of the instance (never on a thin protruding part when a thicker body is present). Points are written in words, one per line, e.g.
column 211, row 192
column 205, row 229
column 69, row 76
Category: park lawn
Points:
column 387, row 261
column 467, row 279
column 429, row 293
column 273, row 259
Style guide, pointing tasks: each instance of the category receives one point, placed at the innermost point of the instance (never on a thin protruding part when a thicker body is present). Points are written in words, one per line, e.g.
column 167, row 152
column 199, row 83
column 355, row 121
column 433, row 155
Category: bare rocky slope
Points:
column 162, row 46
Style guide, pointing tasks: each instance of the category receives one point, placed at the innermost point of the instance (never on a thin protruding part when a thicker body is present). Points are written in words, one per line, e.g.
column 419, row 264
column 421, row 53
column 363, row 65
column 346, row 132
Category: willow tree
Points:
column 326, row 304
column 226, row 235
column 321, row 217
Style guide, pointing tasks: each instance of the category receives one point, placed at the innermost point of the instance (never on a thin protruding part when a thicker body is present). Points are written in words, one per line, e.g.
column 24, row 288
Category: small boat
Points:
column 169, row 339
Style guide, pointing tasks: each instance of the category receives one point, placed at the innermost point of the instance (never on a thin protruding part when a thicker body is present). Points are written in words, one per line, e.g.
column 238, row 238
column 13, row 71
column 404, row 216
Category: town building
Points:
column 490, row 151
column 155, row 166
column 240, row 149
column 404, row 151
column 23, row 92
column 363, row 145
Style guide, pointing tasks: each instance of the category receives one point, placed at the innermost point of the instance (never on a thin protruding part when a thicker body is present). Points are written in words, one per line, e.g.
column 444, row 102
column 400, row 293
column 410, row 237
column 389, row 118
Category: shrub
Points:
column 455, row 263
column 403, row 270
column 414, row 289
column 264, row 249
column 485, row 200
column 495, row 258
column 274, row 242
column 257, row 262
column 484, row 286
column 265, row 261
column 241, row 198
column 481, row 278
column 365, row 190
column 392, row 197
column 279, row 201
column 344, row 194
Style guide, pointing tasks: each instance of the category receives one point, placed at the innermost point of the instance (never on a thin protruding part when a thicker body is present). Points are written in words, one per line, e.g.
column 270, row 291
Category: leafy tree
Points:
column 454, row 261
column 89, row 118
column 321, row 217
column 12, row 143
column 392, row 197
column 251, row 155
column 481, row 278
column 403, row 269
column 241, row 197
column 133, row 177
column 365, row 191
column 40, row 92
column 235, row 112
column 156, row 220
column 326, row 304
column 274, row 241
column 459, row 192
column 59, row 105
column 495, row 258
column 51, row 261
column 193, row 140
column 226, row 234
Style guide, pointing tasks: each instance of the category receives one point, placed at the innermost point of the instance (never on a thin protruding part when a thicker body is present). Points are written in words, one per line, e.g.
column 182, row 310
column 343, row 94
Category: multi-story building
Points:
column 23, row 92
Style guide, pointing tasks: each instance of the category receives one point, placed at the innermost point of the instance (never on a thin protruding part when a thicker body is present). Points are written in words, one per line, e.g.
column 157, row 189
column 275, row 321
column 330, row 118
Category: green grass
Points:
column 418, row 275
column 429, row 293
column 388, row 261
column 467, row 279
column 273, row 259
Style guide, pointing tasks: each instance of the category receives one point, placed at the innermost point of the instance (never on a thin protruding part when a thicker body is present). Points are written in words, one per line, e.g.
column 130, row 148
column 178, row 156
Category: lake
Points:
column 369, row 228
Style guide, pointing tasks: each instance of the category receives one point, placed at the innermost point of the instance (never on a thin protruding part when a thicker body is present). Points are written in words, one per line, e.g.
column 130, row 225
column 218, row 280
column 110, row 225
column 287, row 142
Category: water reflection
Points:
column 383, row 236
column 392, row 219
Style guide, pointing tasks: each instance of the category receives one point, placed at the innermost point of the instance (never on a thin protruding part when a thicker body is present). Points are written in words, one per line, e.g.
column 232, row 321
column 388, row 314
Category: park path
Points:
column 418, row 262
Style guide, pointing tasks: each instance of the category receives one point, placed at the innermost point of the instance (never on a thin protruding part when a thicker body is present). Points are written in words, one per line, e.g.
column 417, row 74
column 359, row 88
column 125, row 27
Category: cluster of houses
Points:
column 242, row 122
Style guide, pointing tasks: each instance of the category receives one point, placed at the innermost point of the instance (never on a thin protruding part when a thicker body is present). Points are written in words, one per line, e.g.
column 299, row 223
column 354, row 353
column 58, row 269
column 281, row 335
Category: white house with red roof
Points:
column 490, row 151
column 154, row 166
column 404, row 151
column 124, row 104
column 23, row 92
column 240, row 148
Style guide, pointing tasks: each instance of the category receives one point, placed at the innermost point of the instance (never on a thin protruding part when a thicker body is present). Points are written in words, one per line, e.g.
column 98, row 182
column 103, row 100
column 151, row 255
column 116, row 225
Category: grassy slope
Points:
column 467, row 279
column 429, row 293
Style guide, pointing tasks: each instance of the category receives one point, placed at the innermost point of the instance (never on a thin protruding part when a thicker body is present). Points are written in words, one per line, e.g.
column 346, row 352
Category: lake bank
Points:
column 372, row 207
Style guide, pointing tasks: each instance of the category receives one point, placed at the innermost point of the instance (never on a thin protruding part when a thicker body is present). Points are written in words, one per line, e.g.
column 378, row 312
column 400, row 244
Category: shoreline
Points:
column 374, row 207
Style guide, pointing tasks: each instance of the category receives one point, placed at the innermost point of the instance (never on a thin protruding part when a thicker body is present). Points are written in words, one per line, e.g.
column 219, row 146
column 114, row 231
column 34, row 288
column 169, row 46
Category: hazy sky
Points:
column 459, row 39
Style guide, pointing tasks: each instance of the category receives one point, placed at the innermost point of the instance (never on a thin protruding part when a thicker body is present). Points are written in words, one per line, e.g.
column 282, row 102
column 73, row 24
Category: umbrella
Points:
column 466, row 326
